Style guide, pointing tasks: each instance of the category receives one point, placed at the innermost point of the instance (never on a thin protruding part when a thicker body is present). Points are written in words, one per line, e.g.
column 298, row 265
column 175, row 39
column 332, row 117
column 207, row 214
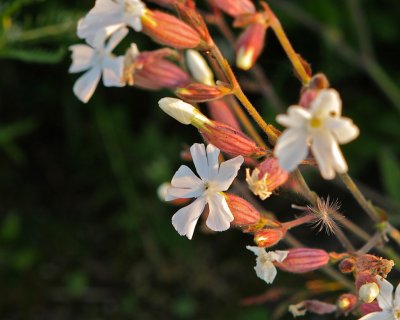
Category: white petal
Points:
column 199, row 68
column 256, row 250
column 228, row 171
column 296, row 117
column 343, row 129
column 385, row 294
column 265, row 270
column 116, row 38
column 213, row 164
column 81, row 57
column 277, row 255
column 84, row 87
column 182, row 193
column 220, row 215
column 199, row 156
column 112, row 72
column 396, row 301
column 184, row 221
column 185, row 178
column 136, row 24
column 382, row 315
column 291, row 148
column 327, row 103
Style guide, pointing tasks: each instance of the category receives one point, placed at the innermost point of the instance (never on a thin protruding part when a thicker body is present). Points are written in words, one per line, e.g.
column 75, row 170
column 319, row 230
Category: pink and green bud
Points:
column 198, row 92
column 221, row 112
column 244, row 213
column 268, row 237
column 250, row 45
column 235, row 7
column 302, row 260
column 168, row 30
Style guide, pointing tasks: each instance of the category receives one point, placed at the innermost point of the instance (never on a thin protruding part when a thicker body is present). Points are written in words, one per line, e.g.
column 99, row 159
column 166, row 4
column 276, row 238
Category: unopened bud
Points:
column 347, row 265
column 250, row 45
column 231, row 141
column 368, row 292
column 198, row 92
column 235, row 7
column 301, row 260
column 366, row 308
column 346, row 302
column 183, row 112
column 267, row 177
column 168, row 30
column 268, row 237
column 199, row 68
column 244, row 213
column 313, row 306
column 220, row 111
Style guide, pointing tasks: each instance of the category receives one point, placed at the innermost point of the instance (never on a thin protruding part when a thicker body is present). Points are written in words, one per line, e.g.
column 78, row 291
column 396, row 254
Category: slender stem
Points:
column 298, row 222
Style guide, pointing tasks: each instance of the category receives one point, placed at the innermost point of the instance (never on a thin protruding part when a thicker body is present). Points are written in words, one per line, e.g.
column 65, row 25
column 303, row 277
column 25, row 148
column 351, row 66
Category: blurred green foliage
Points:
column 82, row 234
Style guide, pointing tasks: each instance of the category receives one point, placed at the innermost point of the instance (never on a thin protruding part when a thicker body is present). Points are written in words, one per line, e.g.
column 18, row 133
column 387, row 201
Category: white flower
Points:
column 322, row 128
column 214, row 179
column 199, row 68
column 97, row 60
column 106, row 13
column 265, row 268
column 390, row 307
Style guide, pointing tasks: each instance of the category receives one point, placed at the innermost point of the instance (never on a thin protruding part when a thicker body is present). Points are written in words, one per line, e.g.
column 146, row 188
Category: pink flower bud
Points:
column 301, row 260
column 347, row 265
column 230, row 141
column 235, row 7
column 313, row 306
column 250, row 45
column 366, row 308
column 221, row 112
column 364, row 278
column 243, row 212
column 268, row 237
column 198, row 92
column 168, row 30
column 346, row 302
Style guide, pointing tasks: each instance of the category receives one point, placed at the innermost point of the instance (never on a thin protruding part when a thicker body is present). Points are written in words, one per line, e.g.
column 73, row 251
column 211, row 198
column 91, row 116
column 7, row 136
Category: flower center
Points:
column 315, row 123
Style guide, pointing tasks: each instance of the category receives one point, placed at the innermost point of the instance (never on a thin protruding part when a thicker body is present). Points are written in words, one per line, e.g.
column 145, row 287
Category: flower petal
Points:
column 228, row 171
column 220, row 215
column 112, row 72
column 327, row 103
column 278, row 255
column 198, row 152
column 84, row 87
column 265, row 270
column 185, row 178
column 212, row 157
column 184, row 220
column 382, row 315
column 182, row 193
column 256, row 250
column 396, row 301
column 321, row 148
column 81, row 57
column 343, row 129
column 385, row 294
column 296, row 117
column 116, row 38
column 291, row 148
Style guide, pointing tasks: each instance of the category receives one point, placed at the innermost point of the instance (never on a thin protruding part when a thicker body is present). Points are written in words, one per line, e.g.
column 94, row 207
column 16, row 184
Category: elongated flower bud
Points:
column 168, row 30
column 231, row 141
column 235, row 7
column 250, row 45
column 199, row 68
column 301, row 260
column 268, row 237
column 346, row 302
column 313, row 306
column 244, row 213
column 220, row 111
column 198, row 92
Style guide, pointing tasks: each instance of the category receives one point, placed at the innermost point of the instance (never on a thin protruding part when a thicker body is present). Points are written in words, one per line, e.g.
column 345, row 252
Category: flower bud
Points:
column 250, row 45
column 368, row 292
column 346, row 302
column 347, row 265
column 244, row 213
column 183, row 112
column 231, row 141
column 198, row 92
column 221, row 112
column 199, row 68
column 235, row 7
column 366, row 308
column 301, row 260
column 268, row 237
column 364, row 278
column 313, row 306
column 168, row 30
column 266, row 178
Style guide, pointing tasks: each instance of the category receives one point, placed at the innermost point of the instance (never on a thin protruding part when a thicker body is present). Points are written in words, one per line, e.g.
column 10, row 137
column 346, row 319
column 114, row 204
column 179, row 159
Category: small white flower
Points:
column 97, row 60
column 199, row 68
column 390, row 305
column 265, row 268
column 106, row 13
column 214, row 179
column 322, row 128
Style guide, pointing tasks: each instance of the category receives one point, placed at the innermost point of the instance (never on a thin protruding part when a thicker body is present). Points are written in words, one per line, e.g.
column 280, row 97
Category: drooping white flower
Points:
column 390, row 305
column 265, row 268
column 322, row 128
column 95, row 61
column 214, row 179
column 106, row 13
column 199, row 68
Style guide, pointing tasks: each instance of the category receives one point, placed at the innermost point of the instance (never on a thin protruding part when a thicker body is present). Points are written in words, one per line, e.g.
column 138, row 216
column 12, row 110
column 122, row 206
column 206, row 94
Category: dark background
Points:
column 82, row 232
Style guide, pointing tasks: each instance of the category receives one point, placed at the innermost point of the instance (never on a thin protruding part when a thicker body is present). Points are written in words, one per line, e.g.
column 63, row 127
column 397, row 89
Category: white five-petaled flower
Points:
column 214, row 179
column 390, row 305
column 322, row 128
column 95, row 61
column 265, row 268
column 106, row 13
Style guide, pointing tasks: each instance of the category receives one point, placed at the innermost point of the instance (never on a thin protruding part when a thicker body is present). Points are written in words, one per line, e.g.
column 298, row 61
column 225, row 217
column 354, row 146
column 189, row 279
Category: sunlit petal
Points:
column 84, row 87
column 291, row 148
column 228, row 171
column 296, row 117
column 199, row 156
column 112, row 72
column 326, row 103
column 212, row 157
column 82, row 56
column 343, row 129
column 385, row 296
column 220, row 215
